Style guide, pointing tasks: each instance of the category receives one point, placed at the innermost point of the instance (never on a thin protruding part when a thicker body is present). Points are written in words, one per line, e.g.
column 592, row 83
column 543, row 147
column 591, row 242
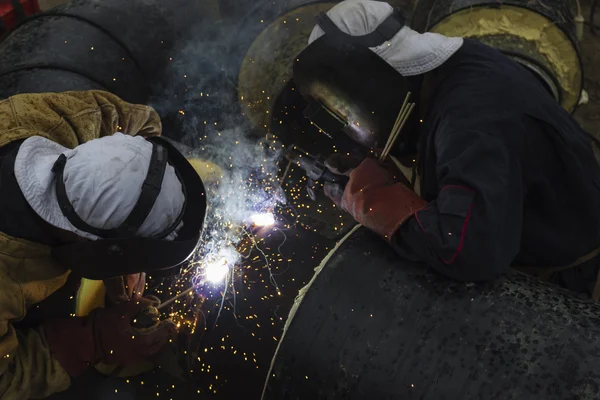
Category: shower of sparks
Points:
column 243, row 199
column 244, row 267
column 263, row 219
column 216, row 272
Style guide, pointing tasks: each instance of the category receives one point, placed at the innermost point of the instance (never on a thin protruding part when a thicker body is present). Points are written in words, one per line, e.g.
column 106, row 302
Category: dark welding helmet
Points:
column 119, row 252
column 350, row 89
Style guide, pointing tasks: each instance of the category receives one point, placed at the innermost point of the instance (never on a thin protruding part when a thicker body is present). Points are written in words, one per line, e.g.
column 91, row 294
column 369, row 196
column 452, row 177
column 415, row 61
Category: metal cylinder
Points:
column 371, row 325
column 267, row 66
column 540, row 35
column 122, row 47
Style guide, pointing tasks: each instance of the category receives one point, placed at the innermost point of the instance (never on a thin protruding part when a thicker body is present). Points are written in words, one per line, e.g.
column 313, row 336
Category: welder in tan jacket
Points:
column 79, row 199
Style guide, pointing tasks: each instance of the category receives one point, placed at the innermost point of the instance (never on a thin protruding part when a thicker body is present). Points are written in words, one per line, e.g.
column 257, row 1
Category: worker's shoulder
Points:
column 64, row 103
column 8, row 119
column 478, row 62
column 480, row 87
column 67, row 104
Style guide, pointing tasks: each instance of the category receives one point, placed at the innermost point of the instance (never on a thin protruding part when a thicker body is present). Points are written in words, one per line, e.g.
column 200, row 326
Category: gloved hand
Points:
column 374, row 198
column 340, row 164
column 106, row 336
column 122, row 288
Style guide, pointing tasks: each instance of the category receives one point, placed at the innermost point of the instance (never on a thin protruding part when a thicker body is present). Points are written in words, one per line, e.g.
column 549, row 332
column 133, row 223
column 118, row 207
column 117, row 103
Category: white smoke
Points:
column 200, row 102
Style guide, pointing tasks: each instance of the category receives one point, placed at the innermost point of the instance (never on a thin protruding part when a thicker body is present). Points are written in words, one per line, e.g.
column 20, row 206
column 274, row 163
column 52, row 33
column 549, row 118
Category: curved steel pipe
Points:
column 371, row 325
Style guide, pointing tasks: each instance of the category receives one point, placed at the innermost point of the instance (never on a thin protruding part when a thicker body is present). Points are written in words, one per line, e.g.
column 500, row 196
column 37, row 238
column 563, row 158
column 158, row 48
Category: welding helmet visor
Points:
column 118, row 252
column 350, row 89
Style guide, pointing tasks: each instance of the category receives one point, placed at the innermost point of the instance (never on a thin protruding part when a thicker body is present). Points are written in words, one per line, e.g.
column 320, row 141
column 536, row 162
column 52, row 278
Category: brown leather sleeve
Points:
column 73, row 118
column 27, row 368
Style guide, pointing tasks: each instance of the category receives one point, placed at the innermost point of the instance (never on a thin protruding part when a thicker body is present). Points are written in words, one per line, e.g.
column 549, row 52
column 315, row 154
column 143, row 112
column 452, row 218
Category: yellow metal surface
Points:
column 550, row 41
column 208, row 171
column 267, row 66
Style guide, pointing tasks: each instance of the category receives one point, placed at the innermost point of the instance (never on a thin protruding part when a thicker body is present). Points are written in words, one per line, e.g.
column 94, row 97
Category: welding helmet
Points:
column 118, row 251
column 351, row 90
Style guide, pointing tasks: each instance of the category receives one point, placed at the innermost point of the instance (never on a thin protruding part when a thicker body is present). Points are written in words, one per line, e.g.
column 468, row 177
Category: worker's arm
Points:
column 472, row 231
column 27, row 369
column 73, row 118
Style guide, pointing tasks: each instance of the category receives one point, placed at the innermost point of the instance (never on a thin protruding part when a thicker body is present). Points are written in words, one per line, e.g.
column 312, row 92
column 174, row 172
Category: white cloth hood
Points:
column 409, row 52
column 103, row 180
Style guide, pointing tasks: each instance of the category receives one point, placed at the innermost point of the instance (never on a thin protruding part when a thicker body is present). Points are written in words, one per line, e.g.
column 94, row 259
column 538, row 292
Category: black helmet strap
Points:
column 384, row 32
column 150, row 191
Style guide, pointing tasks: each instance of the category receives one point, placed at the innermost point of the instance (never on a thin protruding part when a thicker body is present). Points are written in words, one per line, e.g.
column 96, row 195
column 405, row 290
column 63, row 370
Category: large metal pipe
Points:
column 372, row 326
column 119, row 46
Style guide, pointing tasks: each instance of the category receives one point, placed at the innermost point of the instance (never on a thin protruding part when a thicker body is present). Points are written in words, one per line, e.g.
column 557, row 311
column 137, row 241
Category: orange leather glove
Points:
column 107, row 336
column 376, row 200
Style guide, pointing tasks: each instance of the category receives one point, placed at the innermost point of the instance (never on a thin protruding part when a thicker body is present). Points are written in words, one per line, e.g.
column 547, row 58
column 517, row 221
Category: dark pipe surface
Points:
column 375, row 327
column 119, row 46
column 53, row 54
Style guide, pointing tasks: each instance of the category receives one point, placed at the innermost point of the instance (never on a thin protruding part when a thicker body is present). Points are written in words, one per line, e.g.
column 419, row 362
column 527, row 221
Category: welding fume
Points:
column 499, row 174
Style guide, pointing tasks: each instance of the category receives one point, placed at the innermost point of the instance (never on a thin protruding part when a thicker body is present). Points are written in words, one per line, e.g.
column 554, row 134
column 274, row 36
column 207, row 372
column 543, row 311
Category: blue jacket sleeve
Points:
column 472, row 230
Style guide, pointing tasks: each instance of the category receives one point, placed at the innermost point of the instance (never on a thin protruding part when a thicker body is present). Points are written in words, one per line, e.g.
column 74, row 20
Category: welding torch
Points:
column 315, row 169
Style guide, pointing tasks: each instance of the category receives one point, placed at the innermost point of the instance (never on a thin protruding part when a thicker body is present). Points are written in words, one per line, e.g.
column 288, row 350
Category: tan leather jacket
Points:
column 28, row 274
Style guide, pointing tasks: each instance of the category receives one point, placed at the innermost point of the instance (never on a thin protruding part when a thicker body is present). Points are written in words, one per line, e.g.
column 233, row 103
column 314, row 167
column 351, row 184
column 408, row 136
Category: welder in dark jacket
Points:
column 507, row 177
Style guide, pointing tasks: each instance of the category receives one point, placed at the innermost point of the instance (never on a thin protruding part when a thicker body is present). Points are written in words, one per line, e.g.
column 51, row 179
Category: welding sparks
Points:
column 263, row 220
column 219, row 260
column 215, row 272
column 236, row 262
column 242, row 260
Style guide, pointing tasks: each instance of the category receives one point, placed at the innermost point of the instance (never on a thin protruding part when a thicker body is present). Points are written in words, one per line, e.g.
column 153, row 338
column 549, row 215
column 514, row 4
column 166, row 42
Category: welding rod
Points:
column 172, row 299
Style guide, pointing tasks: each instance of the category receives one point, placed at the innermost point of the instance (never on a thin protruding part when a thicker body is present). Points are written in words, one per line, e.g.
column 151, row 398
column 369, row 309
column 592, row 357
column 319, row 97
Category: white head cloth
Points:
column 409, row 52
column 103, row 180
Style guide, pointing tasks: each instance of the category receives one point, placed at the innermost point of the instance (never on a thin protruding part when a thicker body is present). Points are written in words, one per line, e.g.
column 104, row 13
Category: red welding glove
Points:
column 122, row 288
column 377, row 201
column 106, row 336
